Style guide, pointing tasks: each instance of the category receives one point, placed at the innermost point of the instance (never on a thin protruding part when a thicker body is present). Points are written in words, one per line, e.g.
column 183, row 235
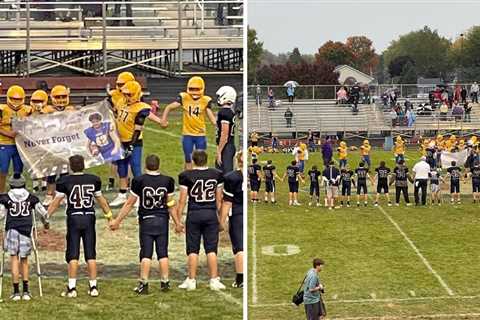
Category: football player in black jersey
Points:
column 401, row 177
column 80, row 190
column 294, row 175
column 226, row 98
column 18, row 207
column 381, row 176
column 361, row 173
column 203, row 187
column 255, row 178
column 232, row 206
column 475, row 174
column 346, row 181
column 269, row 175
column 156, row 204
column 455, row 173
column 314, row 174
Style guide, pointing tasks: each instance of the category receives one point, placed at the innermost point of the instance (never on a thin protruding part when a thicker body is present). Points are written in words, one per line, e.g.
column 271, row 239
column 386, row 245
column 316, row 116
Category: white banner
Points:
column 45, row 142
column 459, row 157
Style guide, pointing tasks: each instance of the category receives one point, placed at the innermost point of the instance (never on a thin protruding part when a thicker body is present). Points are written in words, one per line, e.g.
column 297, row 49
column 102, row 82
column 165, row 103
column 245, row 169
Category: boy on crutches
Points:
column 18, row 207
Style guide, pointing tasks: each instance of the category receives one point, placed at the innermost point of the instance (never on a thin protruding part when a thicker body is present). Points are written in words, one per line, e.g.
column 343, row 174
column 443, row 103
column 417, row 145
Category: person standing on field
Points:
column 312, row 290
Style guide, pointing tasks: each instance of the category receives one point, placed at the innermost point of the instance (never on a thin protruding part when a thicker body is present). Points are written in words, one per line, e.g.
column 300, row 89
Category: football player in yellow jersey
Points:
column 399, row 149
column 365, row 152
column 39, row 103
column 195, row 105
column 116, row 96
column 15, row 108
column 130, row 121
column 342, row 151
column 60, row 97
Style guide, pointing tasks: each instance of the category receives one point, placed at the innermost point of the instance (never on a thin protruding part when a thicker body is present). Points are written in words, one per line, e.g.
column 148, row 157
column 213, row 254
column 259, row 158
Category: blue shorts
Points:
column 301, row 165
column 191, row 143
column 135, row 162
column 9, row 152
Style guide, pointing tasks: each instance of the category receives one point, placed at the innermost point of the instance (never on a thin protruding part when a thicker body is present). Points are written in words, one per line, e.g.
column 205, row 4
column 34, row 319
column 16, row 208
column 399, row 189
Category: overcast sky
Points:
column 307, row 24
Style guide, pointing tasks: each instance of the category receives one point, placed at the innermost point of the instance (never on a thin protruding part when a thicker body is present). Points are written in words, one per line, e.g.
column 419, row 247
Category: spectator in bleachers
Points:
column 290, row 93
column 288, row 117
column 393, row 97
column 311, row 141
column 393, row 116
column 445, row 97
column 327, row 151
column 457, row 93
column 467, row 107
column 275, row 143
column 258, row 95
column 443, row 111
column 128, row 9
column 463, row 94
column 271, row 98
column 342, row 96
column 474, row 92
column 410, row 118
column 65, row 16
column 457, row 112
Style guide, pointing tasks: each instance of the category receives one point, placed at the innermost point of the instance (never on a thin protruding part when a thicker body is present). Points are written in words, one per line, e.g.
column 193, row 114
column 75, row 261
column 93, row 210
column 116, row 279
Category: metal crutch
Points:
column 35, row 252
column 2, row 264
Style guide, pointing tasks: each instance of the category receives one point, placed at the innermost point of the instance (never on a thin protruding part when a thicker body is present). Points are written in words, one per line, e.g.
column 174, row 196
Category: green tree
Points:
column 427, row 49
column 295, row 57
column 255, row 50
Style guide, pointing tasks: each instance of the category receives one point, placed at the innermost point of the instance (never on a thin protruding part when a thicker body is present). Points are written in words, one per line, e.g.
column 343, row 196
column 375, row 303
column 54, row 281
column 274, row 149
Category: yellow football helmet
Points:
column 132, row 90
column 196, row 87
column 343, row 144
column 123, row 78
column 453, row 137
column 60, row 96
column 399, row 138
column 15, row 96
column 366, row 142
column 440, row 137
column 38, row 100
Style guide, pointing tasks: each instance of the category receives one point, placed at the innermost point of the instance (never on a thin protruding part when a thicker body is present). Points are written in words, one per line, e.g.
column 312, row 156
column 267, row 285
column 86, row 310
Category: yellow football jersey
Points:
column 194, row 112
column 126, row 115
column 399, row 147
column 300, row 155
column 365, row 149
column 342, row 153
column 7, row 114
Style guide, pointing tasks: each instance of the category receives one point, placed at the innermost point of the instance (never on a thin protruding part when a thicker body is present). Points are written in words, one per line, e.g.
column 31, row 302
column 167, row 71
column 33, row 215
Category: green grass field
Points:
column 117, row 254
column 393, row 262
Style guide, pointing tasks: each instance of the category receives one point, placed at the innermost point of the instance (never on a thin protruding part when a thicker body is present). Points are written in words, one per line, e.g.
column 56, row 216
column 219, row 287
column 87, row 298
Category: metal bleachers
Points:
column 99, row 38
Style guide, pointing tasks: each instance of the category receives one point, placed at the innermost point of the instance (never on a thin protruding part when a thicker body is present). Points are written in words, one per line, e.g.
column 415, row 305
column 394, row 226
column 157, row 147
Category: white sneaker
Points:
column 389, row 204
column 48, row 199
column 119, row 200
column 296, row 203
column 93, row 292
column 16, row 297
column 189, row 284
column 318, row 204
column 26, row 296
column 69, row 293
column 216, row 285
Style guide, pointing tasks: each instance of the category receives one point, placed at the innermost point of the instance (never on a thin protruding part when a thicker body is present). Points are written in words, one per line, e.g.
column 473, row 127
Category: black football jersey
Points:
column 455, row 173
column 292, row 173
column 475, row 171
column 430, row 152
column 226, row 115
column 233, row 191
column 401, row 176
column 80, row 191
column 253, row 171
column 201, row 185
column 382, row 173
column 361, row 174
column 268, row 171
column 153, row 191
column 19, row 213
column 314, row 175
column 434, row 177
column 346, row 176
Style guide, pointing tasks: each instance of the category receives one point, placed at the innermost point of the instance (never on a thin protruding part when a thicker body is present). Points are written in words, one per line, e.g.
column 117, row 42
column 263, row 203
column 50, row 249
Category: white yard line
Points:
column 254, row 255
column 386, row 300
column 419, row 254
column 229, row 298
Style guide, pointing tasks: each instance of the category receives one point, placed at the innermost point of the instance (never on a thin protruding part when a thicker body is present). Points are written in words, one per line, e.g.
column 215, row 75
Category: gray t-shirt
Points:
column 311, row 281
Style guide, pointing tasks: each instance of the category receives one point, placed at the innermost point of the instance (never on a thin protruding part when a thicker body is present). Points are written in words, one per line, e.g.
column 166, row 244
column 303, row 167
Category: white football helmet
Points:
column 226, row 95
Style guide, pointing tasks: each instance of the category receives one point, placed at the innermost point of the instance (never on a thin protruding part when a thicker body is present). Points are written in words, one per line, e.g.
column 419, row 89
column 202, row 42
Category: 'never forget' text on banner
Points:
column 45, row 142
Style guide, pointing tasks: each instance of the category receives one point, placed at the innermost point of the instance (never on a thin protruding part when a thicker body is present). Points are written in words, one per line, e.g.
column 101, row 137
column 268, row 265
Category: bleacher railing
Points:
column 106, row 24
column 321, row 92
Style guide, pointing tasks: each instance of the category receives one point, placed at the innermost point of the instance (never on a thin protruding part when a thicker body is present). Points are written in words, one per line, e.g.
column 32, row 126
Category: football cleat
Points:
column 26, row 296
column 237, row 285
column 216, row 285
column 93, row 292
column 69, row 293
column 141, row 288
column 16, row 297
column 165, row 285
column 119, row 200
column 189, row 284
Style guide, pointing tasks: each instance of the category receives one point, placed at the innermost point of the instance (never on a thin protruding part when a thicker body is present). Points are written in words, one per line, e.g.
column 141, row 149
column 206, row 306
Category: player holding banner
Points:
column 80, row 190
